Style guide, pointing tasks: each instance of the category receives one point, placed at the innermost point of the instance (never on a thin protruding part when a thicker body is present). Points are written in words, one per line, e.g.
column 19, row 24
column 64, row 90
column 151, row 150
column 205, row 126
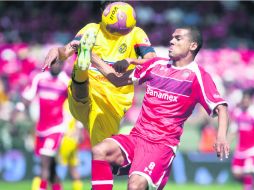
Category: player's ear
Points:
column 193, row 46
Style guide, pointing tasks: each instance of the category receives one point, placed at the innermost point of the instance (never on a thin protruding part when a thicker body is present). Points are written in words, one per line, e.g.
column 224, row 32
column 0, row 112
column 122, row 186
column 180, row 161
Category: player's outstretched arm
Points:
column 118, row 79
column 122, row 65
column 221, row 145
column 146, row 57
column 60, row 54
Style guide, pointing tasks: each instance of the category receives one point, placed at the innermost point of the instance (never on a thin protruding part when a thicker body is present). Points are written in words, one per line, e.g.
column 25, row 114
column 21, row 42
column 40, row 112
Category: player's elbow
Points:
column 117, row 85
column 120, row 84
column 221, row 109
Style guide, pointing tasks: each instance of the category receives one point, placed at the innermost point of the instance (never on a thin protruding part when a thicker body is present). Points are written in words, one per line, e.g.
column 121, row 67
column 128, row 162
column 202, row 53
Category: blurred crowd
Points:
column 224, row 23
column 28, row 29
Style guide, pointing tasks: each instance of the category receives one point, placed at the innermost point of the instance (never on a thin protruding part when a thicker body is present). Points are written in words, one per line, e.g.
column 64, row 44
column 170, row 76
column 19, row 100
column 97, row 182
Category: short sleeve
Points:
column 208, row 95
column 80, row 33
column 142, row 44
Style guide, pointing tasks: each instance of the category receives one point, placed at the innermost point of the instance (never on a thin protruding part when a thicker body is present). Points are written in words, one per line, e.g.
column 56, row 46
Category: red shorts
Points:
column 243, row 165
column 150, row 160
column 47, row 145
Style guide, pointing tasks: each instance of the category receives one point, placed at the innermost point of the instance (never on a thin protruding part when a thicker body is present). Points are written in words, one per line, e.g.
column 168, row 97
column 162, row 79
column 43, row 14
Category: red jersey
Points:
column 171, row 95
column 244, row 121
column 52, row 92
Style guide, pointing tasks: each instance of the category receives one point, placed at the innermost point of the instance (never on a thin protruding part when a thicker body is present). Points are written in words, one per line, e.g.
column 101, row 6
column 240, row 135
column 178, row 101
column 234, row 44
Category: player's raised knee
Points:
column 137, row 182
column 100, row 150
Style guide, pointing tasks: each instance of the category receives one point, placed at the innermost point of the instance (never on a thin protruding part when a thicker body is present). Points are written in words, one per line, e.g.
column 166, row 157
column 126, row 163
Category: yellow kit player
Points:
column 68, row 151
column 93, row 100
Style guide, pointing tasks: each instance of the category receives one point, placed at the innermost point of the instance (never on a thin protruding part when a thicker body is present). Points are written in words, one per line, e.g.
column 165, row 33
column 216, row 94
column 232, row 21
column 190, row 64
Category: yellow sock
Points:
column 79, row 75
column 36, row 183
column 77, row 185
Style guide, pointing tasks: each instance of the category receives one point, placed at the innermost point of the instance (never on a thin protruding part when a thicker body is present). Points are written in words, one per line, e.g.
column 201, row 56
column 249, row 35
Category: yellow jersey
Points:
column 111, row 49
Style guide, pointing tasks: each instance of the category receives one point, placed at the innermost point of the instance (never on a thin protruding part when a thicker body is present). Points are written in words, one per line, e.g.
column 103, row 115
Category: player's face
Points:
column 246, row 101
column 56, row 69
column 180, row 44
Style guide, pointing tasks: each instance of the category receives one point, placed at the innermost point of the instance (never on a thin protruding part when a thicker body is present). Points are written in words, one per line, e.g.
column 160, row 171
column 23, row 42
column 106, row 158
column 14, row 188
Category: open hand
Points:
column 222, row 148
column 50, row 59
column 59, row 54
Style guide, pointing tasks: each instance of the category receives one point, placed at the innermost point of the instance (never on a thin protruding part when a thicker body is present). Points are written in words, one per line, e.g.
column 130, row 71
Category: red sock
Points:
column 247, row 182
column 102, row 178
column 56, row 186
column 43, row 184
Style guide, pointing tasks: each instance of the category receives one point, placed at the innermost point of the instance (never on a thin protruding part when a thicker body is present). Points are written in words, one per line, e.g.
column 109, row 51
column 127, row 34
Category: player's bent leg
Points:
column 79, row 91
column 79, row 84
column 80, row 68
column 79, row 109
column 102, row 177
column 86, row 44
column 137, row 182
column 79, row 76
column 105, row 154
column 103, row 121
column 109, row 151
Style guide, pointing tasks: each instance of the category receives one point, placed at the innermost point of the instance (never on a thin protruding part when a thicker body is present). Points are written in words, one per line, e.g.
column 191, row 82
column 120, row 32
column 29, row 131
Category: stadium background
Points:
column 27, row 31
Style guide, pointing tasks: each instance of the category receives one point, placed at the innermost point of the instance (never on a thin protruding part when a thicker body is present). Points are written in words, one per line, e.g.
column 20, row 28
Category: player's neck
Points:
column 183, row 62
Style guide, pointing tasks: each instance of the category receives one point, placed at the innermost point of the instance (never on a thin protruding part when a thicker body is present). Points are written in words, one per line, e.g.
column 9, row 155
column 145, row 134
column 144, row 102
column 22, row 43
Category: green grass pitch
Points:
column 121, row 185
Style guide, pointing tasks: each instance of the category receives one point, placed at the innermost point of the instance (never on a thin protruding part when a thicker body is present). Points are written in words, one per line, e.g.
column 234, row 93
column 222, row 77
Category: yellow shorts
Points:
column 99, row 120
column 68, row 152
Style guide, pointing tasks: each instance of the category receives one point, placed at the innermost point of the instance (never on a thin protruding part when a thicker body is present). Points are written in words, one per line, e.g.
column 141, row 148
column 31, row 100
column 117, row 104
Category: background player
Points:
column 173, row 88
column 97, row 103
column 68, row 149
column 51, row 89
column 243, row 126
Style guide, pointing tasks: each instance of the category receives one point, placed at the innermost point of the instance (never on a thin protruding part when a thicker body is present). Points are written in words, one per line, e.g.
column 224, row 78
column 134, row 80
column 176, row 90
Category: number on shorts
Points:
column 150, row 168
column 49, row 143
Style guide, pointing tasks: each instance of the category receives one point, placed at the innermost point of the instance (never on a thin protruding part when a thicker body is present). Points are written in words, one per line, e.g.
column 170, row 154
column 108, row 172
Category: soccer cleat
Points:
column 84, row 53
